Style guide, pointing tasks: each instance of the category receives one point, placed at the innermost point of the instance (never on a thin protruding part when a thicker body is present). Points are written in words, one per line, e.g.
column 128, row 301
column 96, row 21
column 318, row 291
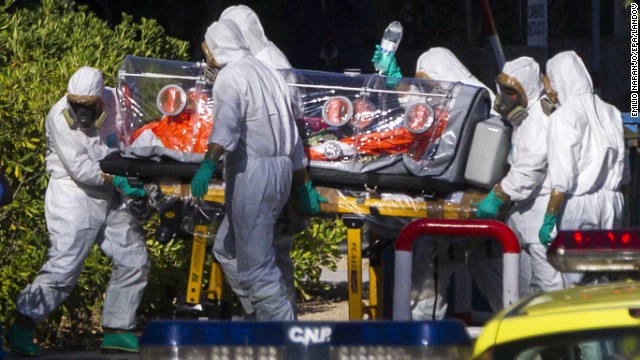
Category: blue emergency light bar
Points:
column 190, row 339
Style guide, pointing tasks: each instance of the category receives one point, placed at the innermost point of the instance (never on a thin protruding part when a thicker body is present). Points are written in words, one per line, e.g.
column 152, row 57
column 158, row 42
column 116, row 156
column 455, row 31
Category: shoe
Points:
column 21, row 341
column 119, row 342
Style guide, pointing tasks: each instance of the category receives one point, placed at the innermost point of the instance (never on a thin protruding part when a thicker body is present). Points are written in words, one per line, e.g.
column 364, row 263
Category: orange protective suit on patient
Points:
column 186, row 132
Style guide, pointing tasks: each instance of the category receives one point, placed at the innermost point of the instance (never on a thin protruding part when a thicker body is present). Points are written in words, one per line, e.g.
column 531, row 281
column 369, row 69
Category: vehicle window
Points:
column 609, row 344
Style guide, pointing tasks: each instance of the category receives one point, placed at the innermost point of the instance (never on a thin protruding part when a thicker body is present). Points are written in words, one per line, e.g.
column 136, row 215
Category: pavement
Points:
column 336, row 309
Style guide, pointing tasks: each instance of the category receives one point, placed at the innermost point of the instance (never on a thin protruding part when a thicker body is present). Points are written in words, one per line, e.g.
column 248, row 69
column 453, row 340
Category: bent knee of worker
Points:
column 119, row 242
column 135, row 258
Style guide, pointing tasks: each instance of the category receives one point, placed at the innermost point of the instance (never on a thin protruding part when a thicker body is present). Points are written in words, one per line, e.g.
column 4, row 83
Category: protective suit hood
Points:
column 527, row 71
column 86, row 81
column 569, row 76
column 440, row 64
column 226, row 42
column 85, row 92
column 249, row 23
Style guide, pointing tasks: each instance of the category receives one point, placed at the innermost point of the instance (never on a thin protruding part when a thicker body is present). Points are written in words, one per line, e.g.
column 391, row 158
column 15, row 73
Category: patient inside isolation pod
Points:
column 363, row 123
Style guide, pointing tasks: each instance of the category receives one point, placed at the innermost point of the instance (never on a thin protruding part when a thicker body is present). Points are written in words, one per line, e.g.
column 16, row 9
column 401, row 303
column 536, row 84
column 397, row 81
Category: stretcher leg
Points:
column 354, row 265
column 216, row 281
column 194, row 286
column 376, row 280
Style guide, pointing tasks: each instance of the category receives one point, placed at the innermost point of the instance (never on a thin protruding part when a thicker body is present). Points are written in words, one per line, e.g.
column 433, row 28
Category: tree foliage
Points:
column 41, row 46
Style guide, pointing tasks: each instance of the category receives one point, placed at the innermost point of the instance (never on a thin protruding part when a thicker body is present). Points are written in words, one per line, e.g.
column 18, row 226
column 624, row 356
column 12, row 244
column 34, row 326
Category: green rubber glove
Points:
column 386, row 63
column 489, row 206
column 309, row 199
column 544, row 235
column 377, row 59
column 200, row 181
column 394, row 70
column 133, row 191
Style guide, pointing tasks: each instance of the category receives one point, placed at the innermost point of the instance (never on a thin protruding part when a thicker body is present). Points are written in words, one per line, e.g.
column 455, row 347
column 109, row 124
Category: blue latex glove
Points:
column 386, row 63
column 133, row 191
column 200, row 182
column 544, row 235
column 489, row 206
column 309, row 199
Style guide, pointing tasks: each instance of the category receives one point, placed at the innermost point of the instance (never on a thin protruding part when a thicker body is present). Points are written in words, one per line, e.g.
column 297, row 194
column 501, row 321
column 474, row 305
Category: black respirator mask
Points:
column 509, row 101
column 84, row 115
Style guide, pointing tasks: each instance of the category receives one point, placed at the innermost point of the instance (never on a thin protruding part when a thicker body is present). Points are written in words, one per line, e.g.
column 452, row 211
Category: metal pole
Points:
column 493, row 34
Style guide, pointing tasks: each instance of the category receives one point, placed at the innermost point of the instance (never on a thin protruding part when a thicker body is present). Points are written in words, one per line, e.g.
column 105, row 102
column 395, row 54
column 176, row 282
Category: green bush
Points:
column 313, row 249
column 40, row 48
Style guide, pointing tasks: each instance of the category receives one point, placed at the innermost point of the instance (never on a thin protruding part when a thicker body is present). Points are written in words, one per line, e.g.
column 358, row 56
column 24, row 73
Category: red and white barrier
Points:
column 449, row 227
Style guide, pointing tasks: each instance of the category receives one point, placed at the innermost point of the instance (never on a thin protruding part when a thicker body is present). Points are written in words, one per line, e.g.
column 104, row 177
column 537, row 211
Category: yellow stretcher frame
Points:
column 353, row 211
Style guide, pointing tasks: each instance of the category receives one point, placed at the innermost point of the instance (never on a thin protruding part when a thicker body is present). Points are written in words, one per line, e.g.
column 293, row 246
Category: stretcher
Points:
column 351, row 205
column 377, row 146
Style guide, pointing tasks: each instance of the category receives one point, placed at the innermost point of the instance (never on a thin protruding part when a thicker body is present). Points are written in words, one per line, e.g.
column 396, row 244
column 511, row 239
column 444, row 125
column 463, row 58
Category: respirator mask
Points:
column 213, row 68
column 84, row 112
column 549, row 102
column 511, row 101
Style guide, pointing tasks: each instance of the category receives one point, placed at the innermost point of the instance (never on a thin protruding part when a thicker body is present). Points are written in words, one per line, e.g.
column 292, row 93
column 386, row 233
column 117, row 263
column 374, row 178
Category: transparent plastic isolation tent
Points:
column 356, row 128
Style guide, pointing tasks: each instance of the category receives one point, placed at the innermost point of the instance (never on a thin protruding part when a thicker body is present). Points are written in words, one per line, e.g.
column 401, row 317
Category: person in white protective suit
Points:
column 83, row 208
column 259, row 45
column 289, row 222
column 428, row 292
column 586, row 154
column 441, row 64
column 526, row 184
column 255, row 130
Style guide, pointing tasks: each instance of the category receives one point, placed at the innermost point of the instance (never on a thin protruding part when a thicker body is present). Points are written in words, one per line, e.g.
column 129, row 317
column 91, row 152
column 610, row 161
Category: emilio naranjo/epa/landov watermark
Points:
column 634, row 59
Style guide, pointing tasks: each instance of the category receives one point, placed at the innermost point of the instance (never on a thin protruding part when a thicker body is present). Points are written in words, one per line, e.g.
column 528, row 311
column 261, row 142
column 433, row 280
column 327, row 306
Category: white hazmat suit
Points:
column 259, row 45
column 81, row 210
column 289, row 221
column 586, row 150
column 526, row 182
column 254, row 124
column 441, row 64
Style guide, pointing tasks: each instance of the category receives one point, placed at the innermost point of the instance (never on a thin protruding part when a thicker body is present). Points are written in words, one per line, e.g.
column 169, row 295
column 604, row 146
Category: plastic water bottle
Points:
column 391, row 37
